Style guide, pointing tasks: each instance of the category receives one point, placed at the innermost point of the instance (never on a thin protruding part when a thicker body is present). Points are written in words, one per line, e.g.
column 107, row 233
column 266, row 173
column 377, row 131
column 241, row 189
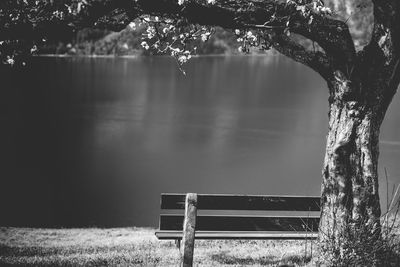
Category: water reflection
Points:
column 95, row 141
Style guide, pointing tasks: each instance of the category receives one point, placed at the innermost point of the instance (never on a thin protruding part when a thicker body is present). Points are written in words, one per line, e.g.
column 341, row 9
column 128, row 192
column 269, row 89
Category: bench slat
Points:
column 239, row 235
column 242, row 223
column 243, row 202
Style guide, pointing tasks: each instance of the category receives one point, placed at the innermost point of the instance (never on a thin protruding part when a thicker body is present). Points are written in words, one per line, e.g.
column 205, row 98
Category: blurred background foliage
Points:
column 127, row 42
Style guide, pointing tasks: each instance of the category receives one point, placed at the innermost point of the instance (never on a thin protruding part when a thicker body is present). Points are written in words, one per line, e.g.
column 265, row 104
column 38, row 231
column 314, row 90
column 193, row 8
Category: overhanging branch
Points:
column 316, row 60
column 330, row 34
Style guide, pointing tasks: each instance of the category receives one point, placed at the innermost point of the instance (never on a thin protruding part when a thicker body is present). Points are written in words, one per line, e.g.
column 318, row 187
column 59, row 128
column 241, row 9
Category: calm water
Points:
column 89, row 142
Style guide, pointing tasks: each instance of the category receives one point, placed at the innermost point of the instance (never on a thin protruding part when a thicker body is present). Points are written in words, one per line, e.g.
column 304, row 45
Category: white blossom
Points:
column 10, row 61
column 251, row 37
column 34, row 49
column 151, row 32
column 205, row 36
column 145, row 45
column 326, row 10
column 176, row 50
column 182, row 59
column 132, row 25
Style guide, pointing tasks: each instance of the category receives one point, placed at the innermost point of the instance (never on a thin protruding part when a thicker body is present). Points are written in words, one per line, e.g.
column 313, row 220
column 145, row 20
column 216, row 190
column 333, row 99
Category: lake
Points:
column 94, row 141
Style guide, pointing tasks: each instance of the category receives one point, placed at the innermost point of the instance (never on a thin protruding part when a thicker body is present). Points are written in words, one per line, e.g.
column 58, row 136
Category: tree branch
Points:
column 331, row 34
column 315, row 60
column 382, row 54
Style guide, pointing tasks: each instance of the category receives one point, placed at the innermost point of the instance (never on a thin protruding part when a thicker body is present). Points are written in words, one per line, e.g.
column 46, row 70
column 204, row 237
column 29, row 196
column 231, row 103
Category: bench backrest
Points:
column 264, row 213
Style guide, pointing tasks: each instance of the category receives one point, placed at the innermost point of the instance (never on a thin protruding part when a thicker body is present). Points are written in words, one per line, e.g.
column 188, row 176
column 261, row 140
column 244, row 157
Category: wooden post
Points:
column 178, row 243
column 189, row 227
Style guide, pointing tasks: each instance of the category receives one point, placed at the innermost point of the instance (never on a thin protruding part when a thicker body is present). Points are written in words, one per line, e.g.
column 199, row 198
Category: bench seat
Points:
column 260, row 217
column 256, row 235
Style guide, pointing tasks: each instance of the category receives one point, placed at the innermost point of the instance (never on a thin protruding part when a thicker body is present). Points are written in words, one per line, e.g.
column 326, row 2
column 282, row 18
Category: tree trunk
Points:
column 350, row 208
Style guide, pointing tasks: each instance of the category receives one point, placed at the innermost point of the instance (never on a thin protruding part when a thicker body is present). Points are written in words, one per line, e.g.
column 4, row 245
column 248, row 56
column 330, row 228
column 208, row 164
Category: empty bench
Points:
column 211, row 216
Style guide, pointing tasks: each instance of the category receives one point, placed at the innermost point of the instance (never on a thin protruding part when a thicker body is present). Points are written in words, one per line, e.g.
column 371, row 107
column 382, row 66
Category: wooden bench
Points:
column 236, row 217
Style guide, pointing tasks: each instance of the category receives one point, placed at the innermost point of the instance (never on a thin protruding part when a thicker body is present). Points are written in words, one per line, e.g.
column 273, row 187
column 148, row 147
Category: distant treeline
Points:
column 128, row 42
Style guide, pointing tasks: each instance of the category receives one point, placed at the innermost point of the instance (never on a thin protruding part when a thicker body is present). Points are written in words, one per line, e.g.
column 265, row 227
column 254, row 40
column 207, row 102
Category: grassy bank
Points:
column 136, row 246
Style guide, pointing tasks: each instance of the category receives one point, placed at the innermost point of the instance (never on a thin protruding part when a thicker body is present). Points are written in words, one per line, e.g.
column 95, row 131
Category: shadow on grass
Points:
column 225, row 258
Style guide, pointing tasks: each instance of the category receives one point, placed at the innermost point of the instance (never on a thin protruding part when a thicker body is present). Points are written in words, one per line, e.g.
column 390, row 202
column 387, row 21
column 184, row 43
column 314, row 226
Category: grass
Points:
column 137, row 247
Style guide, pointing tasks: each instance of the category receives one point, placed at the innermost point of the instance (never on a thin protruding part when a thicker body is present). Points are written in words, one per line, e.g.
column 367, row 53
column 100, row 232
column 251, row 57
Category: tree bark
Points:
column 350, row 205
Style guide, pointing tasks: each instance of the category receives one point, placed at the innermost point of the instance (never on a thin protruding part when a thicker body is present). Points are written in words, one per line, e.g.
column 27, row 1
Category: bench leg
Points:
column 189, row 227
column 178, row 243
